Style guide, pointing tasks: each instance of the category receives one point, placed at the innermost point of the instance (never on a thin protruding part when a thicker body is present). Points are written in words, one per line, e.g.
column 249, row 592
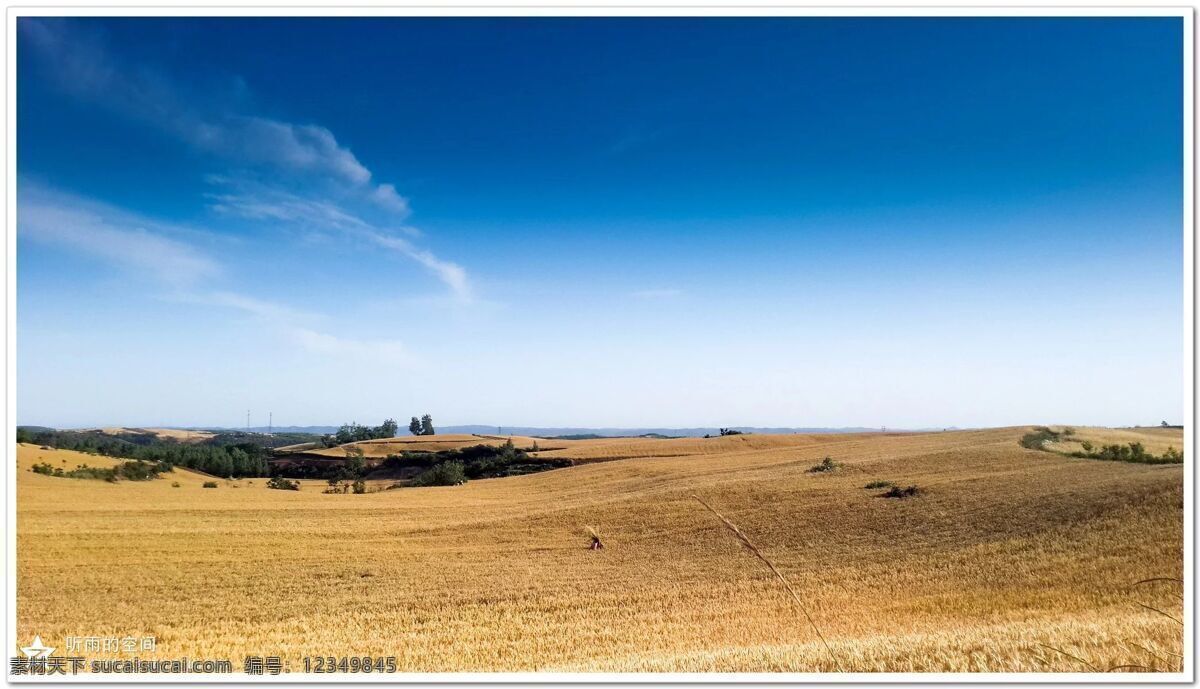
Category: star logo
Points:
column 37, row 649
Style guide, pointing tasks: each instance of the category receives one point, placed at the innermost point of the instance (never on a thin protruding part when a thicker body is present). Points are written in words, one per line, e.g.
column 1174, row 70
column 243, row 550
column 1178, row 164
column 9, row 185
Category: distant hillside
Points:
column 567, row 432
column 584, row 432
column 571, row 431
column 316, row 430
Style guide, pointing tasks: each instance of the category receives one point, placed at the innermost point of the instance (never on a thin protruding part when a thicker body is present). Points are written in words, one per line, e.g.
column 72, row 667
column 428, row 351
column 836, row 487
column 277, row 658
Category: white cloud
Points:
column 263, row 203
column 259, row 202
column 81, row 65
column 146, row 248
column 386, row 196
column 385, row 351
column 292, row 173
column 140, row 245
column 450, row 273
column 291, row 147
column 296, row 326
column 265, row 310
column 332, row 176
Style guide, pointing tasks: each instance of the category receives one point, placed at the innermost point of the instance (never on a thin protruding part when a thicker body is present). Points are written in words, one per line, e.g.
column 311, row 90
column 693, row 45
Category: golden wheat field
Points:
column 1008, row 560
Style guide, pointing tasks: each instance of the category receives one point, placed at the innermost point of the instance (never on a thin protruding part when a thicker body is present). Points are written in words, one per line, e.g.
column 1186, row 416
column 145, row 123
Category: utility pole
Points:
column 247, row 422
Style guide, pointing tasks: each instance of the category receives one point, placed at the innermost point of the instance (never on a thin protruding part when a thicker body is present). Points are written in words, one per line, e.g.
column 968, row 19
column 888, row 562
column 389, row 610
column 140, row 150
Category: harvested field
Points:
column 1003, row 553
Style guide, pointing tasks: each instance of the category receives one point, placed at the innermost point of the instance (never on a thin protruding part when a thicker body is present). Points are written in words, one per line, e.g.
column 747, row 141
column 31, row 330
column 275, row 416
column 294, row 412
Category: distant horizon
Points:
column 573, row 429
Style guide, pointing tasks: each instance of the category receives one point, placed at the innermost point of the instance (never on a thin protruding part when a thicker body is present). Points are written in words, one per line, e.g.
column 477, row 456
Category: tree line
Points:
column 421, row 426
column 226, row 460
column 354, row 432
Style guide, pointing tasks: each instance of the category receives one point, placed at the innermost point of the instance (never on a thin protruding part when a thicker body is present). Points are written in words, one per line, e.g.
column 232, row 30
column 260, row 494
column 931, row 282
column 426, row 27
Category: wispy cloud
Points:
column 295, row 326
column 452, row 274
column 83, row 66
column 138, row 244
column 260, row 202
column 391, row 351
column 266, row 310
column 302, row 173
column 149, row 249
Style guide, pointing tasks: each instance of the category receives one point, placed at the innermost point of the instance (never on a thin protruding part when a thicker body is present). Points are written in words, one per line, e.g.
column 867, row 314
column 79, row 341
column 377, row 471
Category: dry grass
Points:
column 1155, row 440
column 28, row 455
column 182, row 436
column 774, row 570
column 1004, row 551
column 607, row 449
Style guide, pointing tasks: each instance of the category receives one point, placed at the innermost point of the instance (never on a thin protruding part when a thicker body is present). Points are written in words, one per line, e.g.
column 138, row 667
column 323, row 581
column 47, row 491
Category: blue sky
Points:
column 600, row 222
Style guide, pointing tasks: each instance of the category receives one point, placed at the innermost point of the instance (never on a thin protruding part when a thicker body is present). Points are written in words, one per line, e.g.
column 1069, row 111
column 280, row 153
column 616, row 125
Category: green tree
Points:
column 414, row 426
column 444, row 474
column 355, row 466
column 388, row 429
column 427, row 425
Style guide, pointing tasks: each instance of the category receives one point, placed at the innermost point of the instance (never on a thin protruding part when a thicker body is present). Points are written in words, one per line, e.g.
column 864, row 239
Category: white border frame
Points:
column 667, row 8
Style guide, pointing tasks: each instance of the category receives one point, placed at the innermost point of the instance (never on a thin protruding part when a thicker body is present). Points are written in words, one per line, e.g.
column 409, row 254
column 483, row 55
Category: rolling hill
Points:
column 1007, row 560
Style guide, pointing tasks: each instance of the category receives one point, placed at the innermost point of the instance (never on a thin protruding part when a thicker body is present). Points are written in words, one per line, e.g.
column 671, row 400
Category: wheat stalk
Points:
column 1169, row 616
column 1073, row 657
column 770, row 565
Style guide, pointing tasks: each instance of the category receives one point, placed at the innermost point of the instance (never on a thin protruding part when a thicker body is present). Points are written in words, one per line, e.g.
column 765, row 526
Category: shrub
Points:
column 280, row 483
column 210, row 484
column 444, row 474
column 359, row 487
column 898, row 492
column 1037, row 438
column 355, row 465
column 86, row 471
column 1116, row 453
column 137, row 471
column 879, row 484
column 133, row 471
column 1133, row 452
column 174, row 484
column 826, row 464
column 1087, row 447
